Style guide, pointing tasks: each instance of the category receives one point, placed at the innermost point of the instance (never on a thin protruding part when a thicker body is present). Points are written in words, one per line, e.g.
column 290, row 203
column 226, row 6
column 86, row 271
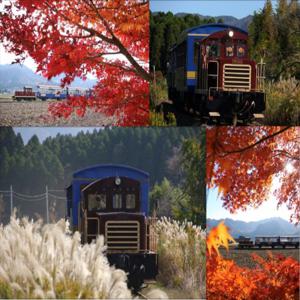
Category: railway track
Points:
column 185, row 117
column 265, row 248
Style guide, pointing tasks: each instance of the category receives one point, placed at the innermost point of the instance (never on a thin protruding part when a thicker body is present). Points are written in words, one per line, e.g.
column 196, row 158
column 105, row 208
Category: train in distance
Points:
column 49, row 92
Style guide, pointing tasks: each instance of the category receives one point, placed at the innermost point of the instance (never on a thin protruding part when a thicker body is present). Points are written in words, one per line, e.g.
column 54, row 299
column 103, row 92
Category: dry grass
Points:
column 48, row 262
column 283, row 102
column 181, row 252
column 35, row 113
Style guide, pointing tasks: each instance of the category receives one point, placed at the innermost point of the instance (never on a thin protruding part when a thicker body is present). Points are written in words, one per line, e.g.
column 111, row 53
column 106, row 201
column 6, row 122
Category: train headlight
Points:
column 118, row 181
column 230, row 33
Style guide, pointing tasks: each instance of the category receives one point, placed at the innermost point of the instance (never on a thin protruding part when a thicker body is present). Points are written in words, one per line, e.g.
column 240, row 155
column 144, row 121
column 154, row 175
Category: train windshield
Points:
column 130, row 201
column 117, row 201
column 229, row 50
column 213, row 50
column 241, row 50
column 96, row 202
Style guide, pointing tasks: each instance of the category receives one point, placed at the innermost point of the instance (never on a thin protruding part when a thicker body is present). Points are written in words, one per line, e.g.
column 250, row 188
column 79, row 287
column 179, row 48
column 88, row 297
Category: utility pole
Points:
column 11, row 201
column 47, row 205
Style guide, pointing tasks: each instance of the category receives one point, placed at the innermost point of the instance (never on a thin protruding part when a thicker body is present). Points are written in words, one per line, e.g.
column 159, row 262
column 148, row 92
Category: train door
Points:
column 212, row 76
column 202, row 70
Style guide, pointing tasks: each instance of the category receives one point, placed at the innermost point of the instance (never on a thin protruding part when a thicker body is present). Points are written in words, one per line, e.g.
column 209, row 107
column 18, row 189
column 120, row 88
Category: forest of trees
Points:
column 172, row 154
column 165, row 28
column 275, row 36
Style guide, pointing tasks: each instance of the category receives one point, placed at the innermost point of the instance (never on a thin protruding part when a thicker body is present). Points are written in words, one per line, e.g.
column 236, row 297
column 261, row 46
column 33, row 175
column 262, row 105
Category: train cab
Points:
column 210, row 70
column 112, row 200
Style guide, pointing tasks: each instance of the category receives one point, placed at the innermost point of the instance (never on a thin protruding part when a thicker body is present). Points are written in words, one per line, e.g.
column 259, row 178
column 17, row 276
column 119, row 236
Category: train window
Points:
column 117, row 201
column 229, row 50
column 213, row 50
column 130, row 201
column 241, row 50
column 96, row 202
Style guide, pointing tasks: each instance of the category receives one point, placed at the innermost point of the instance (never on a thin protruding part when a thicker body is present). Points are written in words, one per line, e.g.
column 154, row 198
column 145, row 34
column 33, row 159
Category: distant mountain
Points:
column 242, row 23
column 268, row 227
column 15, row 77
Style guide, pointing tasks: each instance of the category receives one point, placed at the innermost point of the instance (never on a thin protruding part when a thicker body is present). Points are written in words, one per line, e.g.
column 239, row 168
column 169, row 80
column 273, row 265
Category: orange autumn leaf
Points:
column 243, row 162
column 218, row 236
column 276, row 277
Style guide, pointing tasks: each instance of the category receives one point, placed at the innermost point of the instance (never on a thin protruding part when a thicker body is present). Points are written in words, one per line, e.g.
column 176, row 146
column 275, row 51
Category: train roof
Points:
column 276, row 236
column 107, row 170
column 203, row 31
column 48, row 86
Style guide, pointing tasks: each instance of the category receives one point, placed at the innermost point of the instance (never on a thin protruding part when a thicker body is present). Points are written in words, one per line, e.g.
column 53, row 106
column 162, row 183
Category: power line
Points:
column 28, row 200
column 29, row 196
column 34, row 198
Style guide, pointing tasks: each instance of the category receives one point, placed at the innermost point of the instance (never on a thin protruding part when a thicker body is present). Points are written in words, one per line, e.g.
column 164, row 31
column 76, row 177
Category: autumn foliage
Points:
column 243, row 162
column 106, row 38
column 276, row 277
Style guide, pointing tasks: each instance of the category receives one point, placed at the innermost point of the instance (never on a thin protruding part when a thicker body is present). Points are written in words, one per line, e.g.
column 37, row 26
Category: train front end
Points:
column 112, row 201
column 233, row 84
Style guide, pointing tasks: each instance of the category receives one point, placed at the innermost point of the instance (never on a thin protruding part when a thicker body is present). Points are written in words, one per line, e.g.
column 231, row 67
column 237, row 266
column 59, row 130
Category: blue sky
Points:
column 267, row 210
column 235, row 8
column 44, row 132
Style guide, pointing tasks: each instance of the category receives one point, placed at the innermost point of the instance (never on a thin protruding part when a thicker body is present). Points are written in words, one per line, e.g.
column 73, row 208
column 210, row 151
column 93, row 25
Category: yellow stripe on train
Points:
column 191, row 74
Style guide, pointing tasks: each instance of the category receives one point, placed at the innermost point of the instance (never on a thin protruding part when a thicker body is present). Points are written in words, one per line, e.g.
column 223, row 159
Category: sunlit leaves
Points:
column 243, row 162
column 218, row 236
column 276, row 277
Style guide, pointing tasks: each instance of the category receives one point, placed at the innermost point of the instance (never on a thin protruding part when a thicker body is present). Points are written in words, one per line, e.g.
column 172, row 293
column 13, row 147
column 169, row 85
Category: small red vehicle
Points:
column 26, row 94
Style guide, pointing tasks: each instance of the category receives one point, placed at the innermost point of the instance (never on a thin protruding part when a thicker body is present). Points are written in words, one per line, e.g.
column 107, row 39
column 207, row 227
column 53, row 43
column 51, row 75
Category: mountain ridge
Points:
column 242, row 23
column 14, row 77
column 274, row 226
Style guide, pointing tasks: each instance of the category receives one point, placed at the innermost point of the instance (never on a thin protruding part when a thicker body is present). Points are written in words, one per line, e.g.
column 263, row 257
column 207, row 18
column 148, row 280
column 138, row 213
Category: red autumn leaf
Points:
column 276, row 277
column 75, row 37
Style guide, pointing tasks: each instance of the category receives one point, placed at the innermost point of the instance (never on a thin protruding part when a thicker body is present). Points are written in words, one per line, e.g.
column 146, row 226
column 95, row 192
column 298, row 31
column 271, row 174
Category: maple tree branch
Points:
column 140, row 70
column 287, row 154
column 111, row 64
column 112, row 41
column 254, row 144
column 102, row 54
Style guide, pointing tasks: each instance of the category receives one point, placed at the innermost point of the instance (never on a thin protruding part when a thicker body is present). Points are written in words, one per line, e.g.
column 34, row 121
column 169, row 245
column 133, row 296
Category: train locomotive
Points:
column 209, row 70
column 53, row 92
column 112, row 200
column 269, row 242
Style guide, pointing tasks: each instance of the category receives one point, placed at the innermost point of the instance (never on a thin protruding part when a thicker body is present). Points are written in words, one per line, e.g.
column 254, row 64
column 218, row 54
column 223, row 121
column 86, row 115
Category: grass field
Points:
column 243, row 256
column 35, row 113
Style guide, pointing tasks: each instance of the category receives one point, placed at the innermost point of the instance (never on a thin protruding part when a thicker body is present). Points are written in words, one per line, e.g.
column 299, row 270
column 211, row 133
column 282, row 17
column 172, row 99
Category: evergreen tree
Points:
column 275, row 37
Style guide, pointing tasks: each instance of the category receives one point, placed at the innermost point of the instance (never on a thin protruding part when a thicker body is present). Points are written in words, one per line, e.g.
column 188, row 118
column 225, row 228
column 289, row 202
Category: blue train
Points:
column 54, row 92
column 112, row 200
column 209, row 70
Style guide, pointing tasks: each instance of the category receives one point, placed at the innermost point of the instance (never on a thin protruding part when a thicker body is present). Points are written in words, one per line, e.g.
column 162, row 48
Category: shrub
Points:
column 158, row 119
column 158, row 89
column 181, row 253
column 283, row 102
